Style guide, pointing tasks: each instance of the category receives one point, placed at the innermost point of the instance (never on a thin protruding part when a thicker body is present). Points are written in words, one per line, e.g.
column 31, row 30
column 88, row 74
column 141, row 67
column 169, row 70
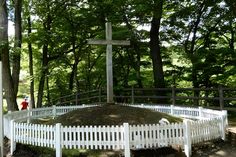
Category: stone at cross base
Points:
column 109, row 42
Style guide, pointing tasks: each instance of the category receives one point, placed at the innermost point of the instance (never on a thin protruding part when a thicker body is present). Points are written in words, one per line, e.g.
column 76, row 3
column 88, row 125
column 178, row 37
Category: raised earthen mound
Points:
column 112, row 115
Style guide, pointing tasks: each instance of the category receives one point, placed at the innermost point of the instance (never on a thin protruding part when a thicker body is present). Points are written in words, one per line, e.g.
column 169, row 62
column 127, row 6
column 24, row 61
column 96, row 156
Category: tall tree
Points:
column 232, row 4
column 61, row 46
column 4, row 50
column 47, row 27
column 155, row 48
column 190, row 42
column 30, row 52
column 31, row 70
column 17, row 46
column 137, row 49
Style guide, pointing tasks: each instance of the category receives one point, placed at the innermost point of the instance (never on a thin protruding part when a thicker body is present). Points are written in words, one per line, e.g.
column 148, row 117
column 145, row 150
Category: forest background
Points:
column 181, row 43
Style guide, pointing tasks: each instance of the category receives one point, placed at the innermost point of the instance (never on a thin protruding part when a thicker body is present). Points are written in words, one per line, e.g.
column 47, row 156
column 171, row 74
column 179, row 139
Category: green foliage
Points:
column 73, row 22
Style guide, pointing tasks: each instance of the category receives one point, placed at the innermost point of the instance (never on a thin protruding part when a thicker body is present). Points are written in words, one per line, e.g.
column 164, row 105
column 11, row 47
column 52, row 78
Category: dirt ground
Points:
column 218, row 148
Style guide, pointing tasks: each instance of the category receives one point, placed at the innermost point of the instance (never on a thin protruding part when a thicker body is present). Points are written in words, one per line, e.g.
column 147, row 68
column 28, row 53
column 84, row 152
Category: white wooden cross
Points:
column 109, row 42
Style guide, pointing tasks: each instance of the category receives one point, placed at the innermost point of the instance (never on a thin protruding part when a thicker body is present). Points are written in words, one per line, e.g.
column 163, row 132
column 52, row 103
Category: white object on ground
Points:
column 164, row 121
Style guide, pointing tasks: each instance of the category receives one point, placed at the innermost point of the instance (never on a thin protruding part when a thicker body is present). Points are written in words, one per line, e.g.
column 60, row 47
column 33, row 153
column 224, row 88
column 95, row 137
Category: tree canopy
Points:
column 185, row 43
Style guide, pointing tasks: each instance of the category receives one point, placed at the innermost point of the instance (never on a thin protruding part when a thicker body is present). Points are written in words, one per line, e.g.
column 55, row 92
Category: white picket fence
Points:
column 210, row 124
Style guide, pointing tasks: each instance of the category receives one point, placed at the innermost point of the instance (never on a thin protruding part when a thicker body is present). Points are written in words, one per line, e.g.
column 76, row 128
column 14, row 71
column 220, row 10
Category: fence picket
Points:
column 83, row 133
column 78, row 137
column 99, row 137
column 210, row 126
column 119, row 143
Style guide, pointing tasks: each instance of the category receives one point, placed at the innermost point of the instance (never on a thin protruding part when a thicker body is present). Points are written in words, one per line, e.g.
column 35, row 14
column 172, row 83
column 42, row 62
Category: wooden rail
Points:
column 208, row 97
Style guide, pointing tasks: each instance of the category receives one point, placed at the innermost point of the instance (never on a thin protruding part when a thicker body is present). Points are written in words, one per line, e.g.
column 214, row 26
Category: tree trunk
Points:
column 232, row 5
column 4, row 51
column 43, row 75
column 74, row 68
column 48, row 91
column 232, row 39
column 44, row 72
column 88, row 73
column 136, row 64
column 17, row 46
column 191, row 50
column 155, row 48
column 31, row 70
column 136, row 47
column 137, row 69
column 73, row 74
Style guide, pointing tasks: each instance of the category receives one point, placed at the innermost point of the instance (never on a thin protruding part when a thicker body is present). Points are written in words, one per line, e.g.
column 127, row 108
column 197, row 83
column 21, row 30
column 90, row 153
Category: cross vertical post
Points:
column 109, row 42
column 109, row 64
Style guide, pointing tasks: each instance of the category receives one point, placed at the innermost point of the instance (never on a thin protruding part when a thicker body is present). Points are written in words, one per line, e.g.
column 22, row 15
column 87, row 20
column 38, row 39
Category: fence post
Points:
column 173, row 95
column 200, row 112
column 132, row 95
column 221, row 97
column 187, row 138
column 126, row 139
column 54, row 111
column 12, row 136
column 223, row 124
column 225, row 113
column 172, row 109
column 58, row 140
column 29, row 114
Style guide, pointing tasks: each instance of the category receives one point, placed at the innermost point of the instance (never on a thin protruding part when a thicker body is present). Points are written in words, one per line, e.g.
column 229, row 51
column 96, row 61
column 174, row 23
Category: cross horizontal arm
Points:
column 108, row 42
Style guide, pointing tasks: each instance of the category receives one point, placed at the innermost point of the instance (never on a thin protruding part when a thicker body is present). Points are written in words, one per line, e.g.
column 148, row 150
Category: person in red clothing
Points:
column 24, row 104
